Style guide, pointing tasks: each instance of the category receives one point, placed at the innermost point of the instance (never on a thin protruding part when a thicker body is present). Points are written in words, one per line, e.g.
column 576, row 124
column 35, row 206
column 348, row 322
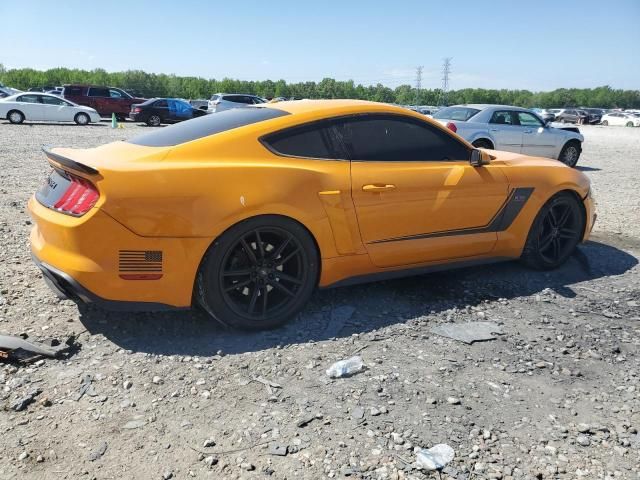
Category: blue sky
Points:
column 538, row 45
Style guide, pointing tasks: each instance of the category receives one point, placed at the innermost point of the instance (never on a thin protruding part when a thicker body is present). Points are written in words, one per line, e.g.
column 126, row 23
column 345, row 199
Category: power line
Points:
column 446, row 70
column 418, row 82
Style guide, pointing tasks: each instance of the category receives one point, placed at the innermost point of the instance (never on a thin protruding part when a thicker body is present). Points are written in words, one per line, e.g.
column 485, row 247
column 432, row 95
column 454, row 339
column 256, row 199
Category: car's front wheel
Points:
column 605, row 123
column 629, row 124
column 15, row 116
column 570, row 153
column 154, row 120
column 555, row 233
column 82, row 119
column 259, row 273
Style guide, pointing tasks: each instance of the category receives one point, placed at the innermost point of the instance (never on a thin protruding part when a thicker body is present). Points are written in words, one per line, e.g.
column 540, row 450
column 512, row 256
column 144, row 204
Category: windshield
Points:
column 456, row 113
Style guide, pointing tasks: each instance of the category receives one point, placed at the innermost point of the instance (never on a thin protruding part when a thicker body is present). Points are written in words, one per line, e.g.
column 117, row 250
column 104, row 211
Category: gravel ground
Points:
column 557, row 395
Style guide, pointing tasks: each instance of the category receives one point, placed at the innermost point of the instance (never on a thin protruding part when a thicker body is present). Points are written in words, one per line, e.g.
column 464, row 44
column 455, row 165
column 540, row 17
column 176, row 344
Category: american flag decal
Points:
column 141, row 261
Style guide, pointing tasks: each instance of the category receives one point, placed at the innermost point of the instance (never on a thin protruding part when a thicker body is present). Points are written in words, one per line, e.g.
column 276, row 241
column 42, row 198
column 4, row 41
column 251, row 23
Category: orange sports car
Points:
column 245, row 212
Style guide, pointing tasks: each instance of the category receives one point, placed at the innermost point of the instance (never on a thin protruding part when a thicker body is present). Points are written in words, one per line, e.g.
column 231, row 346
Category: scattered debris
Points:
column 304, row 421
column 25, row 401
column 435, row 458
column 345, row 368
column 135, row 423
column 17, row 347
column 468, row 332
column 86, row 387
column 278, row 450
column 98, row 452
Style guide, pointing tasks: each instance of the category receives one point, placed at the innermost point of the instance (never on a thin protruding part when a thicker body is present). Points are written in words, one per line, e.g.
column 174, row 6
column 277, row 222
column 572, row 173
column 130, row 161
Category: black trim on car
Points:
column 403, row 272
column 67, row 162
column 501, row 221
column 67, row 288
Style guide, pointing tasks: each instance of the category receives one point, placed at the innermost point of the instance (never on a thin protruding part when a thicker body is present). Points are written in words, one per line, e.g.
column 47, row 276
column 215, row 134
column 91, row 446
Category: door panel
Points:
column 536, row 140
column 504, row 130
column 420, row 217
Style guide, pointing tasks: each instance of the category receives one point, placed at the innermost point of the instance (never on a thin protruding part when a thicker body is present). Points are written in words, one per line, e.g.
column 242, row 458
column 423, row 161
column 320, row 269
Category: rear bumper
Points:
column 80, row 258
column 64, row 286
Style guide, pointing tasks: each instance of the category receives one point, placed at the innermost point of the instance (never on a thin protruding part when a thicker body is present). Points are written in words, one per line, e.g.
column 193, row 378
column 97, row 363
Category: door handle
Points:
column 493, row 129
column 378, row 187
column 528, row 131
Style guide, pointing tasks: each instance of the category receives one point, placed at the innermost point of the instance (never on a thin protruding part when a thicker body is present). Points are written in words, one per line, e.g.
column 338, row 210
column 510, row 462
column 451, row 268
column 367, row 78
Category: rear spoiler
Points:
column 67, row 162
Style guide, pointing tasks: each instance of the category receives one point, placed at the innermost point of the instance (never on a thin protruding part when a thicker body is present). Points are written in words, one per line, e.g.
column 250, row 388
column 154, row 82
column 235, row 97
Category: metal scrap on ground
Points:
column 13, row 344
column 468, row 332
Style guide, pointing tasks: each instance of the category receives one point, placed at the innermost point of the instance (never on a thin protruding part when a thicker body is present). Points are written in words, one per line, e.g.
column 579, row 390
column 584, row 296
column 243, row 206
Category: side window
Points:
column 98, row 92
column 73, row 90
column 234, row 98
column 115, row 93
column 312, row 141
column 256, row 100
column 395, row 138
column 528, row 120
column 501, row 118
column 161, row 104
column 29, row 99
column 53, row 101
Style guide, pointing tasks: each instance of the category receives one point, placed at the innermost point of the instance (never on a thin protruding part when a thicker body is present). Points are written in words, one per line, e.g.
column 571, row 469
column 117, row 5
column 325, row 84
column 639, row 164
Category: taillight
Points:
column 80, row 197
column 137, row 110
column 452, row 126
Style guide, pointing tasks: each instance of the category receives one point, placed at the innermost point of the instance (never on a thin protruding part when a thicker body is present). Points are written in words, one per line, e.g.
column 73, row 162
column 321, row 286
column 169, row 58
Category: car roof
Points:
column 332, row 106
column 484, row 106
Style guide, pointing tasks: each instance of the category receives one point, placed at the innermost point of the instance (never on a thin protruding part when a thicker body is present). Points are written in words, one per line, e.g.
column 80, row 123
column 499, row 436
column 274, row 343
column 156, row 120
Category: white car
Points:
column 43, row 107
column 226, row 101
column 512, row 129
column 620, row 118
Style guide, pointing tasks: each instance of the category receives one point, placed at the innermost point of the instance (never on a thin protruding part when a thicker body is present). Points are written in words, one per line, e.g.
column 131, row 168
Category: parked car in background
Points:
column 513, row 129
column 572, row 115
column 224, row 101
column 200, row 104
column 157, row 111
column 545, row 115
column 105, row 100
column 595, row 114
column 42, row 107
column 621, row 119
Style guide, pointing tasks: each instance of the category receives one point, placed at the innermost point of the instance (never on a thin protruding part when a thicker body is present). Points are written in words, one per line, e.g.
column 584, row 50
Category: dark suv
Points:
column 106, row 100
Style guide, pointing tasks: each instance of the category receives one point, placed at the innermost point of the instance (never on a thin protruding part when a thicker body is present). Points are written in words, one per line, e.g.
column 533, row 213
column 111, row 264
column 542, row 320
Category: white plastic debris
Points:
column 345, row 368
column 435, row 458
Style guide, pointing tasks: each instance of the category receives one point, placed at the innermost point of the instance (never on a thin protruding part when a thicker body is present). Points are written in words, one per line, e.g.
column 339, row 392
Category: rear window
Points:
column 456, row 113
column 206, row 126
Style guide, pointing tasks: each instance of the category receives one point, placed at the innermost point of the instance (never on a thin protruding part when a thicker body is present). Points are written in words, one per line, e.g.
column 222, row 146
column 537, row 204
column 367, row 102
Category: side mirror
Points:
column 479, row 158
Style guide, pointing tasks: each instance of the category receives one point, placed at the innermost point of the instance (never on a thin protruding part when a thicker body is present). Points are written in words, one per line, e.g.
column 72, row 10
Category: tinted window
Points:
column 73, row 90
column 29, row 98
column 395, row 138
column 98, row 92
column 53, row 101
column 456, row 113
column 501, row 117
column 311, row 141
column 161, row 104
column 235, row 98
column 257, row 100
column 116, row 93
column 205, row 126
column 528, row 120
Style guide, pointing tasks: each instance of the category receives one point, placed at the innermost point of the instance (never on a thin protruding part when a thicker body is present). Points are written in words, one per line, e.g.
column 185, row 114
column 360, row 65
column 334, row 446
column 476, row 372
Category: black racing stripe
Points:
column 501, row 221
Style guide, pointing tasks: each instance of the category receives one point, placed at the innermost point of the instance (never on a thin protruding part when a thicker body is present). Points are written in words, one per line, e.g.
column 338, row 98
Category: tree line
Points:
column 163, row 85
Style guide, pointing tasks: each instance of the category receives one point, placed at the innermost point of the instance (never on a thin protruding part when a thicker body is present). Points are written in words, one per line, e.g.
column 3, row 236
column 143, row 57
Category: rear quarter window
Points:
column 206, row 126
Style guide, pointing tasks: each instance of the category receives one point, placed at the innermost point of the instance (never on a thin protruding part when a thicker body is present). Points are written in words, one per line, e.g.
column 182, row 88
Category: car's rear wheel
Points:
column 555, row 233
column 570, row 153
column 605, row 123
column 15, row 116
column 259, row 273
column 154, row 120
column 629, row 124
column 482, row 143
column 82, row 119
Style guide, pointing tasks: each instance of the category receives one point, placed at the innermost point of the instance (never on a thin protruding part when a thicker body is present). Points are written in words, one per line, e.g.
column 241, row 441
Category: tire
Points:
column 562, row 120
column 605, row 123
column 154, row 120
column 570, row 153
column 555, row 233
column 259, row 273
column 629, row 124
column 15, row 116
column 82, row 119
column 482, row 143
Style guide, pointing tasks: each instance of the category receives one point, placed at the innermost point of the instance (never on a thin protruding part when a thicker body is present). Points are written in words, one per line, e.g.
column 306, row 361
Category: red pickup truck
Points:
column 106, row 100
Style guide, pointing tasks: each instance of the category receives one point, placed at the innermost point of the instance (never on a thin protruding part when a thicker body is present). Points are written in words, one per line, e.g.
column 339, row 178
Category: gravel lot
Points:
column 175, row 396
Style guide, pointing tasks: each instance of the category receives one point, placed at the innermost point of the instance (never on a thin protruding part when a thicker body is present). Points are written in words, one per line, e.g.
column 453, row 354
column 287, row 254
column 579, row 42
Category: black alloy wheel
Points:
column 259, row 274
column 556, row 232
